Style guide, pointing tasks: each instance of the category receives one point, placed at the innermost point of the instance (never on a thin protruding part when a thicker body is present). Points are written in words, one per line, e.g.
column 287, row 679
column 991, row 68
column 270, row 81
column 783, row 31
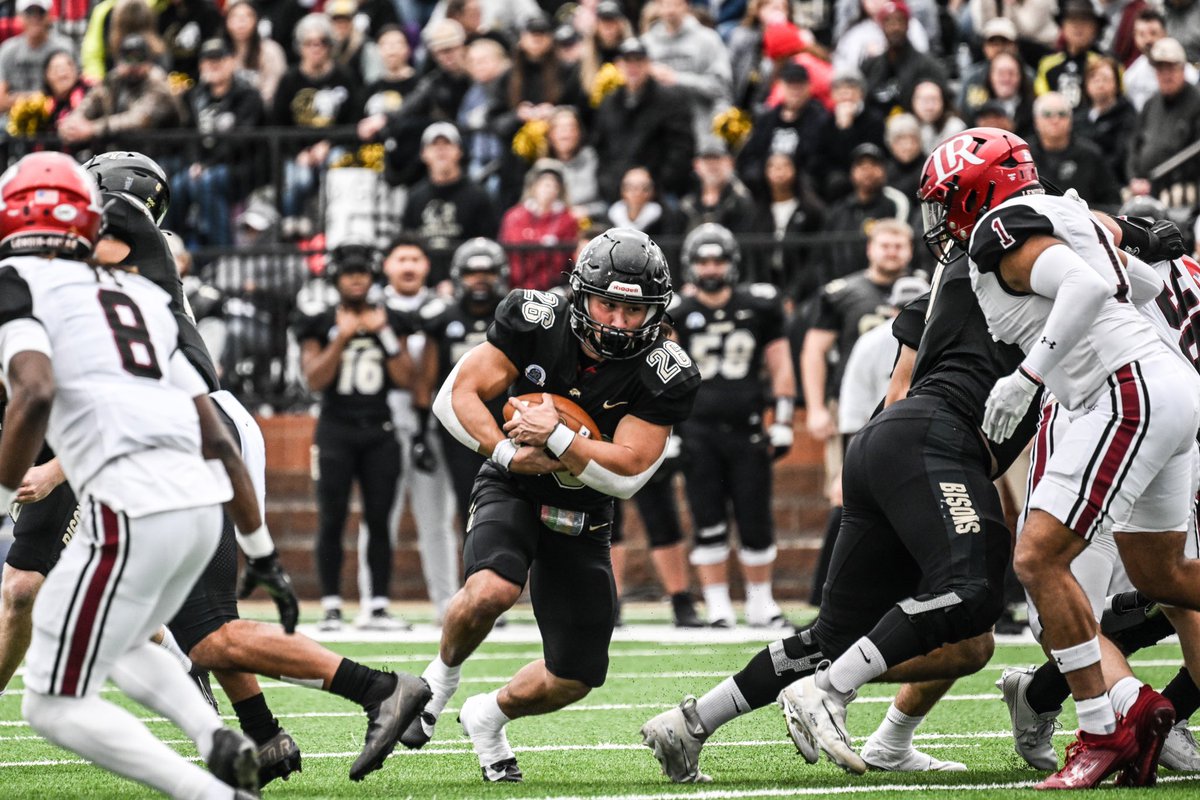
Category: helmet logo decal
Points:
column 627, row 289
column 953, row 155
column 45, row 197
column 65, row 213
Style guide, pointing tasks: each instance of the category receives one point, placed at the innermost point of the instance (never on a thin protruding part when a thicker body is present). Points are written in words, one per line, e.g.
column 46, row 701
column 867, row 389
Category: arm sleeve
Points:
column 1144, row 283
column 909, row 325
column 1078, row 293
column 183, row 375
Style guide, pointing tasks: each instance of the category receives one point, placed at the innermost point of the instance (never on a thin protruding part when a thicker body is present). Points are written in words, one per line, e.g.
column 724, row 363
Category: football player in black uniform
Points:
column 353, row 353
column 542, row 505
column 735, row 335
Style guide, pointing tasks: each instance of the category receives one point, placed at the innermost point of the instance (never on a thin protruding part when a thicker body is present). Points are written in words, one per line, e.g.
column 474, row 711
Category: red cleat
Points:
column 1150, row 719
column 1093, row 757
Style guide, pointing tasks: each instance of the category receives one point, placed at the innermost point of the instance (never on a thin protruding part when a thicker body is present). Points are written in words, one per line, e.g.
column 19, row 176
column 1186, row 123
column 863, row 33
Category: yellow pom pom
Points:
column 530, row 142
column 608, row 80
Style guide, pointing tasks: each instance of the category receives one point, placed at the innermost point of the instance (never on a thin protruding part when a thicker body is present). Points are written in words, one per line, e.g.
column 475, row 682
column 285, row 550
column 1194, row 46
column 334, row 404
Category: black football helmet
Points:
column 711, row 240
column 480, row 255
column 137, row 176
column 346, row 258
column 1145, row 207
column 626, row 266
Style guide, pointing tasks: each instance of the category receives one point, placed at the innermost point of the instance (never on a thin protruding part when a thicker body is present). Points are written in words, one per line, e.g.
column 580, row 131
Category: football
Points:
column 569, row 412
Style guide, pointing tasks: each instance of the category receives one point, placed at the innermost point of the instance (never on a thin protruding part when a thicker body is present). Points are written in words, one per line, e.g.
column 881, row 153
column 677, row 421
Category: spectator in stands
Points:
column 1139, row 79
column 939, row 121
column 600, row 48
column 752, row 72
column 1081, row 23
column 260, row 59
column 579, row 161
column 906, row 158
column 568, row 48
column 1008, row 85
column 1067, row 160
column 870, row 199
column 446, row 208
column 108, row 26
column 183, row 26
column 993, row 114
column 134, row 96
column 222, row 170
column 537, row 82
column 542, row 221
column 397, row 78
column 486, row 150
column 1183, row 24
column 999, row 35
column 864, row 37
column 720, row 197
column 23, row 58
column 790, row 207
column 643, row 123
column 1169, row 121
column 796, row 127
column 852, row 123
column 1037, row 30
column 1107, row 117
column 689, row 55
column 893, row 74
column 640, row 209
column 64, row 85
column 848, row 13
column 317, row 93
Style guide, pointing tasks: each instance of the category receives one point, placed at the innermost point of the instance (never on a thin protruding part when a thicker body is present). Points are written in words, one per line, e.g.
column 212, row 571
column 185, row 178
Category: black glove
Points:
column 1166, row 241
column 270, row 574
column 422, row 454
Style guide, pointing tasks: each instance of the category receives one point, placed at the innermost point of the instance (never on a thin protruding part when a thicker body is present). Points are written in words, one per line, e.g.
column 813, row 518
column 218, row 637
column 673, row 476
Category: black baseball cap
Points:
column 214, row 48
column 867, row 150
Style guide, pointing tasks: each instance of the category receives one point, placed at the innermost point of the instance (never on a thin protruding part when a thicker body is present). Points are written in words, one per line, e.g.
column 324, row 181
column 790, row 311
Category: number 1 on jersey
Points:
column 130, row 334
column 1006, row 239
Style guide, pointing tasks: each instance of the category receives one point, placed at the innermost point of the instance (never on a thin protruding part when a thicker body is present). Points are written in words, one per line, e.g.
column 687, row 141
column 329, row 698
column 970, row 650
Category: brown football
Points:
column 571, row 414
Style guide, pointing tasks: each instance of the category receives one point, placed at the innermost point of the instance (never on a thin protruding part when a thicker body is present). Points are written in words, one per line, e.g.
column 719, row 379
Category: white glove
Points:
column 781, row 435
column 1007, row 403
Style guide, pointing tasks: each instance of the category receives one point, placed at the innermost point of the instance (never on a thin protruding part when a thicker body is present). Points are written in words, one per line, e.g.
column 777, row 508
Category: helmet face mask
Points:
column 620, row 266
column 477, row 256
column 709, row 243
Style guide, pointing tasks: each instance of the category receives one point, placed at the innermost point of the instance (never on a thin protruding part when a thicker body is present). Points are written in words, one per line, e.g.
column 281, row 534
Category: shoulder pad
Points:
column 766, row 291
column 835, row 286
column 1007, row 227
column 667, row 366
column 529, row 309
column 16, row 301
column 433, row 308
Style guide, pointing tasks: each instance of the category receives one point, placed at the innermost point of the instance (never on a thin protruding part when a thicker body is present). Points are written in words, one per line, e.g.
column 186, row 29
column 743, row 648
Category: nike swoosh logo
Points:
column 609, row 404
column 864, row 655
column 597, row 527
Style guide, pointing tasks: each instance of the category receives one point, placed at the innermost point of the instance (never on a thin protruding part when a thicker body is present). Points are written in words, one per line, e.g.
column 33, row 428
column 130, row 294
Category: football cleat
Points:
column 675, row 737
column 723, row 623
column 381, row 619
column 278, row 757
column 386, row 719
column 1151, row 718
column 911, row 759
column 1032, row 732
column 505, row 771
column 806, row 746
column 817, row 718
column 488, row 744
column 233, row 759
column 332, row 621
column 1093, row 757
column 419, row 731
column 1180, row 751
column 683, row 609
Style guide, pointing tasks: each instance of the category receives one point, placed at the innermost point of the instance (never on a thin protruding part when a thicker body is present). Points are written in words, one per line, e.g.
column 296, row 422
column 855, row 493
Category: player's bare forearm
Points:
column 217, row 443
column 813, row 367
column 778, row 357
column 320, row 364
column 426, row 378
column 901, row 378
column 400, row 367
column 636, row 446
column 481, row 375
column 30, row 396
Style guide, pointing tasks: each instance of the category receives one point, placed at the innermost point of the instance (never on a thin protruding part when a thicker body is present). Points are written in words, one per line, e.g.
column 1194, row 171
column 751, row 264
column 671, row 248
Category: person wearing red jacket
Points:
column 542, row 220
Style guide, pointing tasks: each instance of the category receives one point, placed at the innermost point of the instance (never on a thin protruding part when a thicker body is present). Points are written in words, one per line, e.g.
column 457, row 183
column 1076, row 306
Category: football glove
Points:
column 1007, row 403
column 781, row 436
column 268, row 573
column 423, row 457
column 1166, row 242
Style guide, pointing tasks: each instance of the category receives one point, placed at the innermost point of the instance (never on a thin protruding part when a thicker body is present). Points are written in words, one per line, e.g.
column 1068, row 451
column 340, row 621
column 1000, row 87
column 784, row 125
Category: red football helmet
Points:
column 965, row 176
column 49, row 204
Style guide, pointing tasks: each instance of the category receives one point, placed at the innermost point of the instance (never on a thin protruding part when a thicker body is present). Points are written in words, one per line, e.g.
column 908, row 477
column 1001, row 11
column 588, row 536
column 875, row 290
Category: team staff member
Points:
column 542, row 506
column 354, row 353
column 735, row 334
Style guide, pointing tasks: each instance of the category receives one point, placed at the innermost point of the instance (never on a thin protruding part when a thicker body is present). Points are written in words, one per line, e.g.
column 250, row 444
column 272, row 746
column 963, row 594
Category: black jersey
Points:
column 849, row 307
column 360, row 387
column 533, row 329
column 727, row 346
column 455, row 330
column 149, row 252
column 960, row 362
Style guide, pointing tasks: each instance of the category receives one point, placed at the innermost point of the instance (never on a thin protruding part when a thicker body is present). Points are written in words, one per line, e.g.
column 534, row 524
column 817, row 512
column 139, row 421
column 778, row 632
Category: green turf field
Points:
column 593, row 749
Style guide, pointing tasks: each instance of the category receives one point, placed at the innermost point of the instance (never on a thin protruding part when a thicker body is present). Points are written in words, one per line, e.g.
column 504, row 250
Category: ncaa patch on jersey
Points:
column 536, row 373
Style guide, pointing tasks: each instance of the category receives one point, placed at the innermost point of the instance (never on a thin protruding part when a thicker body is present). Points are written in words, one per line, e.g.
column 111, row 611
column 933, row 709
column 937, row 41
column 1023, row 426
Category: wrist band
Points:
column 503, row 452
column 1029, row 375
column 785, row 409
column 559, row 440
column 258, row 543
column 390, row 342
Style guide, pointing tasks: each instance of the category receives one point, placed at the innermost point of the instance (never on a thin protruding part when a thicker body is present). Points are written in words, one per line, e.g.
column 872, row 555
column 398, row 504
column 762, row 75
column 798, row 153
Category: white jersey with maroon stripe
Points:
column 1119, row 334
column 1176, row 312
column 123, row 423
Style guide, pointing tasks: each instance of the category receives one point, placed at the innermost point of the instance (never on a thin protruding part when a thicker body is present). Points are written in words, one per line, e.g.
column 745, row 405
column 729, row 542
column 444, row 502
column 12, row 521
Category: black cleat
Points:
column 386, row 720
column 234, row 760
column 505, row 771
column 684, row 610
column 201, row 678
column 278, row 757
column 419, row 731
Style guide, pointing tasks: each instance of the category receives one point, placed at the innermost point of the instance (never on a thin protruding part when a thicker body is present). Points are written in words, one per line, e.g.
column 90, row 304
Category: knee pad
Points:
column 756, row 558
column 707, row 555
column 713, row 535
column 958, row 612
column 1149, row 630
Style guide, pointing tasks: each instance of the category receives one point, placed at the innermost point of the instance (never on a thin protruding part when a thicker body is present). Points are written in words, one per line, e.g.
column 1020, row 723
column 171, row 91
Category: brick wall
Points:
column 799, row 507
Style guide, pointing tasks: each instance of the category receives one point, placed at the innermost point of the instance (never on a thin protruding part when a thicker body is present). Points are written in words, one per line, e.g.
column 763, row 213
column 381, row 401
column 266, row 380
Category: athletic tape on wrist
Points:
column 503, row 452
column 785, row 409
column 258, row 543
column 559, row 440
column 1081, row 656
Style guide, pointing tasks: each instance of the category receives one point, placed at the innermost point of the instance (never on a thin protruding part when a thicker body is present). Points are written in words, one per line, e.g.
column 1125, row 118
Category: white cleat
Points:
column 1032, row 732
column 496, row 758
column 381, row 619
column 1180, row 751
column 805, row 745
column 820, row 721
column 911, row 759
column 676, row 737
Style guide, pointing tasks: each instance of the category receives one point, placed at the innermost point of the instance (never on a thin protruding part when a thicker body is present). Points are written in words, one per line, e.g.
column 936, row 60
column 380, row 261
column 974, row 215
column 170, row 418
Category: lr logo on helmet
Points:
column 952, row 154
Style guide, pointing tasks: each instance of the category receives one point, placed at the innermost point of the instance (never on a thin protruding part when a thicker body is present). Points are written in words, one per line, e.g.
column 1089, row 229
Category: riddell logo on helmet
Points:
column 953, row 155
column 627, row 289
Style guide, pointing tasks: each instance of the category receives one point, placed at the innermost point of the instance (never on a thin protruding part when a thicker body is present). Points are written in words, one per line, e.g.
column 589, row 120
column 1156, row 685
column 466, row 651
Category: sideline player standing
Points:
column 1049, row 279
column 735, row 335
column 354, row 354
column 543, row 504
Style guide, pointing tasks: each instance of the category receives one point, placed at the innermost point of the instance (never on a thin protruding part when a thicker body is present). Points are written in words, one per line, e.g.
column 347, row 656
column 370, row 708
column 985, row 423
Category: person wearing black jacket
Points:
column 796, row 127
column 1069, row 160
